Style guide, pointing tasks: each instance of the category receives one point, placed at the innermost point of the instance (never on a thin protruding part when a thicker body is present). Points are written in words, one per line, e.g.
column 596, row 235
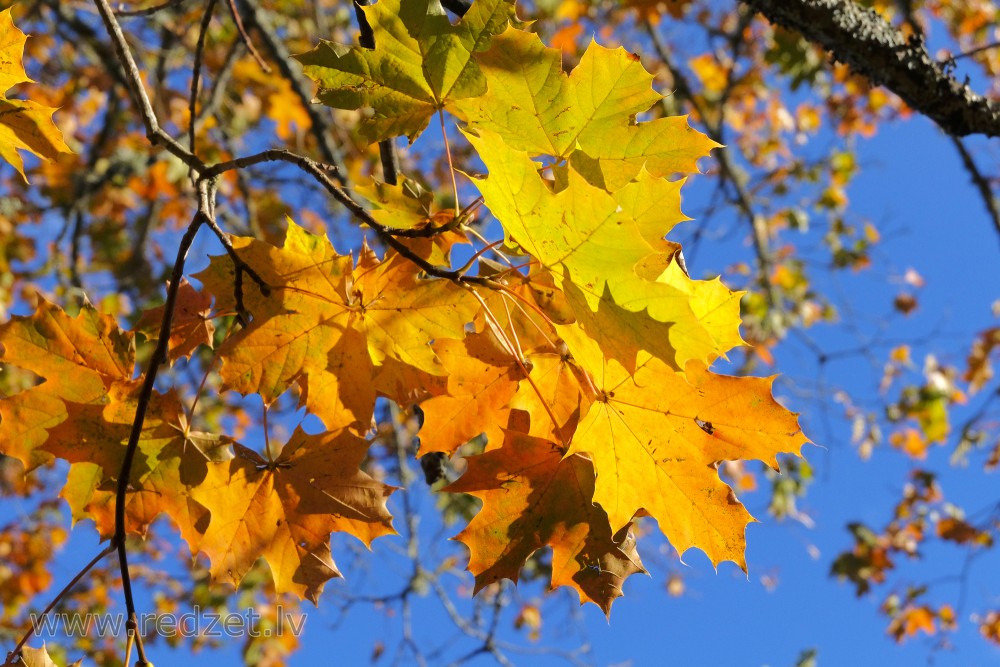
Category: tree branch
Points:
column 256, row 17
column 873, row 48
column 322, row 174
column 12, row 657
column 980, row 181
column 158, row 357
column 156, row 135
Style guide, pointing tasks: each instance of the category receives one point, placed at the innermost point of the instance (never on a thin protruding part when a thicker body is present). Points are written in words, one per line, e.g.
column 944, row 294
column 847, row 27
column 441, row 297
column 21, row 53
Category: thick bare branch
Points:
column 873, row 48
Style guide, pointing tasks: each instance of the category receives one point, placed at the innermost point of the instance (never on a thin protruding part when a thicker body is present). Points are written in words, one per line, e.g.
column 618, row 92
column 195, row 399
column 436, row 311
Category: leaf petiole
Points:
column 451, row 166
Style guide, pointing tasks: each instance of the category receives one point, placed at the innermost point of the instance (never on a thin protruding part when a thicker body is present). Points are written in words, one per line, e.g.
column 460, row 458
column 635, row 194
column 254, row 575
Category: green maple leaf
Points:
column 587, row 117
column 421, row 63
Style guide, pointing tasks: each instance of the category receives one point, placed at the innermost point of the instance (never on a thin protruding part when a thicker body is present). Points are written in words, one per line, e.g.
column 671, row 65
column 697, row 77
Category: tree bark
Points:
column 873, row 48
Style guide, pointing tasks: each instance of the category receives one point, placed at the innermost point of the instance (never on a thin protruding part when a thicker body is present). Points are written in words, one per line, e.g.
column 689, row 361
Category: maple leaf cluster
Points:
column 582, row 352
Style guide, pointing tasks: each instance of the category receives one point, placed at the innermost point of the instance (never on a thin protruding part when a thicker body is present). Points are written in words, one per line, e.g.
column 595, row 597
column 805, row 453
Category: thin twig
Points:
column 199, row 50
column 972, row 52
column 979, row 180
column 37, row 621
column 147, row 11
column 241, row 267
column 246, row 38
column 319, row 122
column 321, row 173
column 727, row 170
column 156, row 135
column 159, row 356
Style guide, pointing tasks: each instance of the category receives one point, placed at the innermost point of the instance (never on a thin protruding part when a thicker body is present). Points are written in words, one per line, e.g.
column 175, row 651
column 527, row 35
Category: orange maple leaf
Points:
column 171, row 460
column 533, row 497
column 284, row 510
column 331, row 327
column 190, row 325
column 482, row 378
column 78, row 357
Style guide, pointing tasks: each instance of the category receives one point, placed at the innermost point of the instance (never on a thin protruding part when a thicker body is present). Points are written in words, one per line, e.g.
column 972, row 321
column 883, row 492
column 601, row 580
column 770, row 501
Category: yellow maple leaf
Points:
column 405, row 205
column 24, row 125
column 656, row 439
column 537, row 108
column 600, row 246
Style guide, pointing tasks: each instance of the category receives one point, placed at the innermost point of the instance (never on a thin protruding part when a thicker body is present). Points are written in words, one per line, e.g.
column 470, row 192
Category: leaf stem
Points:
column 520, row 363
column 128, row 650
column 475, row 232
column 201, row 389
column 267, row 438
column 513, row 330
column 451, row 166
column 479, row 253
column 514, row 296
